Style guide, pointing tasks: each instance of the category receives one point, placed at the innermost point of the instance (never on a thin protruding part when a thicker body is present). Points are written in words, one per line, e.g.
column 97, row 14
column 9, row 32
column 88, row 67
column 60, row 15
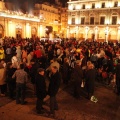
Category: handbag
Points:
column 82, row 85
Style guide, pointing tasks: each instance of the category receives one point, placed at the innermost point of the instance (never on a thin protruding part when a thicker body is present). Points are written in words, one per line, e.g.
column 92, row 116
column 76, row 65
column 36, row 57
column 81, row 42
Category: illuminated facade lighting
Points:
column 92, row 17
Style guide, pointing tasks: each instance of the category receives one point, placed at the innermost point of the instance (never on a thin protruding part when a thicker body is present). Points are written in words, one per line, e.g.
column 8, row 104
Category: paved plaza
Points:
column 107, row 107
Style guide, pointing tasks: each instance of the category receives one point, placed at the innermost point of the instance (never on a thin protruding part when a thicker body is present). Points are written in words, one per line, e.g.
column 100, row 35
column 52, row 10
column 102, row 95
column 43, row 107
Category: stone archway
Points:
column 1, row 31
column 18, row 31
column 112, row 36
column 91, row 35
column 34, row 32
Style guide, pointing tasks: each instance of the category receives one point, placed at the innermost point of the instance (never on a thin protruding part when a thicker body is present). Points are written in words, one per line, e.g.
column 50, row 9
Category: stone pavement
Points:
column 107, row 107
column 70, row 108
column 9, row 110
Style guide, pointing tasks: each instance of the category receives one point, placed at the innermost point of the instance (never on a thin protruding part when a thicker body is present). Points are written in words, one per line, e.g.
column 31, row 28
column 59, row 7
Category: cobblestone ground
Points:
column 107, row 107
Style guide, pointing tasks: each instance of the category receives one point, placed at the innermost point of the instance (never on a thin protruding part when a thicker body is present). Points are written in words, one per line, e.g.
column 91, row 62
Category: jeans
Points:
column 53, row 104
column 20, row 92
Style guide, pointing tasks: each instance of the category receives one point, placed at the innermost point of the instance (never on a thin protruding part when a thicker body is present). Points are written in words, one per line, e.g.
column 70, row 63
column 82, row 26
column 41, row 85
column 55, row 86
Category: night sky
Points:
column 20, row 4
column 34, row 1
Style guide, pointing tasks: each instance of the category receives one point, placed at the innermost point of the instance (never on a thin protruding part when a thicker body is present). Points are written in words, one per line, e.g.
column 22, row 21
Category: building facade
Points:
column 17, row 24
column 94, row 20
column 51, row 16
column 64, row 21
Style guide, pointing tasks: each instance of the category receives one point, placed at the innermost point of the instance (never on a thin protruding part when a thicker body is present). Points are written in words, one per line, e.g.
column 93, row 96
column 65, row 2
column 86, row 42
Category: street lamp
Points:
column 106, row 34
column 96, row 33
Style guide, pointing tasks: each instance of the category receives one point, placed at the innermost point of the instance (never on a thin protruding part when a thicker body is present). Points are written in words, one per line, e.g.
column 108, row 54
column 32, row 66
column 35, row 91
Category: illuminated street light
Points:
column 106, row 34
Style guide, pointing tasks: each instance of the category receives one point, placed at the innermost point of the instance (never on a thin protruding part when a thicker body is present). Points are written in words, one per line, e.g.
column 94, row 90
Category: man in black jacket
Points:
column 118, row 77
column 77, row 76
column 54, row 85
column 40, row 89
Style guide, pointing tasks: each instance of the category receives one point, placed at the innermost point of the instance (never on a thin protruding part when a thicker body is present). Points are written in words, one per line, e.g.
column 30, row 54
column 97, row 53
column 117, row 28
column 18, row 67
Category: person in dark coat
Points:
column 40, row 89
column 90, row 80
column 117, row 71
column 83, row 61
column 10, row 81
column 77, row 76
column 33, row 72
column 65, row 71
column 54, row 85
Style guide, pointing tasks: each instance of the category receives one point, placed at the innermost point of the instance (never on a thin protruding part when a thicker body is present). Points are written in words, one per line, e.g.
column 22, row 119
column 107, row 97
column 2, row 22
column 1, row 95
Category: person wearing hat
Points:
column 117, row 72
column 40, row 89
column 77, row 76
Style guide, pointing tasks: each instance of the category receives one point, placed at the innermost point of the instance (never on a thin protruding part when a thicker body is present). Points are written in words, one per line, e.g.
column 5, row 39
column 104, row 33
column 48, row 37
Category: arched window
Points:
column 34, row 32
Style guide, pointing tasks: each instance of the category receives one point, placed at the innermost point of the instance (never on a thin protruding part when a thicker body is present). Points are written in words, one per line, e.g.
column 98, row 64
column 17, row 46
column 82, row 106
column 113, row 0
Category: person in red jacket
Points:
column 38, row 53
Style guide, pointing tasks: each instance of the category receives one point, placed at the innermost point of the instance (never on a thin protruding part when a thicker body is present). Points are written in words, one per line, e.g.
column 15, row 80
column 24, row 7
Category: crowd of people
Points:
column 79, row 61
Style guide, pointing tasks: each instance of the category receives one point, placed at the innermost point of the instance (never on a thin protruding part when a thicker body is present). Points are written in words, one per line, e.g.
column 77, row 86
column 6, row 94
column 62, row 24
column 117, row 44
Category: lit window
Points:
column 91, row 20
column 102, row 20
column 82, row 20
column 116, row 4
column 73, row 20
column 103, row 5
column 93, row 5
column 114, row 20
column 83, row 6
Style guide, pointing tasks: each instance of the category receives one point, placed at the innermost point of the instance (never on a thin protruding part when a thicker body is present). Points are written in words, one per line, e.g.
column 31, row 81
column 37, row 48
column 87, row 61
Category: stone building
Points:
column 94, row 20
column 64, row 20
column 18, row 24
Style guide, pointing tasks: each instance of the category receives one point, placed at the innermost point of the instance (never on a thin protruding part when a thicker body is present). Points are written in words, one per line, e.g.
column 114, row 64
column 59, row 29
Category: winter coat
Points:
column 90, row 80
column 54, row 85
column 117, row 71
column 40, row 86
column 78, row 74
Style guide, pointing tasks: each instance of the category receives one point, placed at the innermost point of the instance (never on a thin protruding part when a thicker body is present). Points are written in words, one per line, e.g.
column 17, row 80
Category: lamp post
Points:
column 106, row 34
column 118, row 34
column 68, row 32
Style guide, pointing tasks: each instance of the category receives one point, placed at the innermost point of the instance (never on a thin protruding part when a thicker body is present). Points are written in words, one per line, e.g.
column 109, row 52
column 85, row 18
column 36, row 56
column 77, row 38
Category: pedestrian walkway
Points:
column 9, row 110
column 12, row 111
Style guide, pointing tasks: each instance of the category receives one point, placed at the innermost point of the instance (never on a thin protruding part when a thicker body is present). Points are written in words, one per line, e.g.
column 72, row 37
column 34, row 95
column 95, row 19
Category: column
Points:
column 68, row 32
column 28, row 30
column 106, row 34
column 118, row 36
column 96, row 33
column 77, row 31
column 86, row 33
